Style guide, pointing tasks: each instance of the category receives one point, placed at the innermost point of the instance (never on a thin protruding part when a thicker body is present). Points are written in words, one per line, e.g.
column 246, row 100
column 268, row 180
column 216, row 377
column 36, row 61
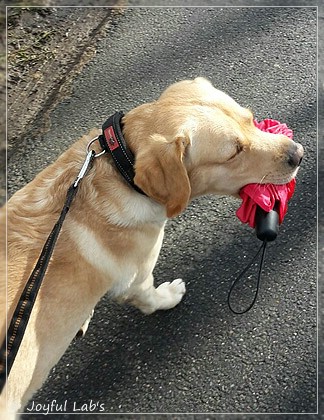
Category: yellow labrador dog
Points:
column 193, row 140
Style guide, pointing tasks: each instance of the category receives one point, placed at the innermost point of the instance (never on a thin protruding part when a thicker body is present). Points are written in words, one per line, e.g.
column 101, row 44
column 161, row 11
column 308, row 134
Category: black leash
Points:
column 20, row 318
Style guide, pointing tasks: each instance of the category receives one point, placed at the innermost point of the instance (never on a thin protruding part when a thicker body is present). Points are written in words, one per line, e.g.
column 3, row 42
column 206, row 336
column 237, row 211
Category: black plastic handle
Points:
column 267, row 223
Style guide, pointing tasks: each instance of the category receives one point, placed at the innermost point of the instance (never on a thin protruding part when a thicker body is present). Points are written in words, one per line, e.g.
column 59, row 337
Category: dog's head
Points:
column 196, row 140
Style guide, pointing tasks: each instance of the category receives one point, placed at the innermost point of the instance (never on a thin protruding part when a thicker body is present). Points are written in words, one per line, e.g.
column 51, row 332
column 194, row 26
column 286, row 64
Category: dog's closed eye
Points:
column 239, row 149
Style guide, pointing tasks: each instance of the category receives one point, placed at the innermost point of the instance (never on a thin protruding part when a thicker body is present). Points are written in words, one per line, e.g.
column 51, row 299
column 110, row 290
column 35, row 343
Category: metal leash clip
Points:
column 91, row 154
column 85, row 167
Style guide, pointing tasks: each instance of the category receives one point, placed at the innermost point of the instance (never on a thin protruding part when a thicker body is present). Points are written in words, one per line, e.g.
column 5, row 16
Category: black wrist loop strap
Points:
column 238, row 278
column 20, row 318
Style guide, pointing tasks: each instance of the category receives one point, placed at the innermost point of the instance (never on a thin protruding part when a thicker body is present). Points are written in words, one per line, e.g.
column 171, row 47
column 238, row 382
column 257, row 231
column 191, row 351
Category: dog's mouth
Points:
column 276, row 179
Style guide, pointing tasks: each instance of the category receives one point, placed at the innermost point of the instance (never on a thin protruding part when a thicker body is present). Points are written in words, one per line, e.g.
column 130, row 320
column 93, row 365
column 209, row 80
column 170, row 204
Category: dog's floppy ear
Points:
column 161, row 173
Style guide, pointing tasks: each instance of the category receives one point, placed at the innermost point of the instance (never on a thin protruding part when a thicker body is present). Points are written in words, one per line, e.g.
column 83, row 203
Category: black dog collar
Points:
column 112, row 141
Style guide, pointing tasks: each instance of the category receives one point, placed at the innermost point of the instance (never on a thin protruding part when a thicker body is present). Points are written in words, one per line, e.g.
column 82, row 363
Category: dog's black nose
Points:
column 295, row 156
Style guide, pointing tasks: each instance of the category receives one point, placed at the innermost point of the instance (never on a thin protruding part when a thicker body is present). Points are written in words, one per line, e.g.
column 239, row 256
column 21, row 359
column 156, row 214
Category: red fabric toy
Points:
column 266, row 195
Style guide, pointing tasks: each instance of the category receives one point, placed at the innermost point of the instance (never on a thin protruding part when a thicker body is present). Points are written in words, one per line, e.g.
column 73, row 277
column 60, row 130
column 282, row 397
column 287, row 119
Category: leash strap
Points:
column 261, row 250
column 20, row 318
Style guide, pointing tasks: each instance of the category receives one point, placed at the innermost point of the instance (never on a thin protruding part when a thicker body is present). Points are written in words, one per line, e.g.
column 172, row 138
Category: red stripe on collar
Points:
column 111, row 140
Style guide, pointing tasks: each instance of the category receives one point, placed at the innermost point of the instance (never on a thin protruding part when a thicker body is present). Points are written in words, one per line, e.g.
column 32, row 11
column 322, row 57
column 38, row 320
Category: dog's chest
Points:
column 121, row 259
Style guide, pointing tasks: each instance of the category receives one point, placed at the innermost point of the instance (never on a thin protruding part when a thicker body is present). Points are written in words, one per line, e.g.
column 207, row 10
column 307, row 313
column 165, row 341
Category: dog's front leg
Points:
column 149, row 299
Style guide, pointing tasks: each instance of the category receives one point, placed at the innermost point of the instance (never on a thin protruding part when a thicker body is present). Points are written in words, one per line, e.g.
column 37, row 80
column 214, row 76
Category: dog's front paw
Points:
column 170, row 294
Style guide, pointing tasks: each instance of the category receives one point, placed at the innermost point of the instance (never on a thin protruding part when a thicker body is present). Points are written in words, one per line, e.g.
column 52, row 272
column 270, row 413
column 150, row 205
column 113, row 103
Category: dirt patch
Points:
column 46, row 48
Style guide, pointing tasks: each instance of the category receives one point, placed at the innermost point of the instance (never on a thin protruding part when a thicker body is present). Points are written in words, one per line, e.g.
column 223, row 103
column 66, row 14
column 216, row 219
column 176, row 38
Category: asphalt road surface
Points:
column 199, row 357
